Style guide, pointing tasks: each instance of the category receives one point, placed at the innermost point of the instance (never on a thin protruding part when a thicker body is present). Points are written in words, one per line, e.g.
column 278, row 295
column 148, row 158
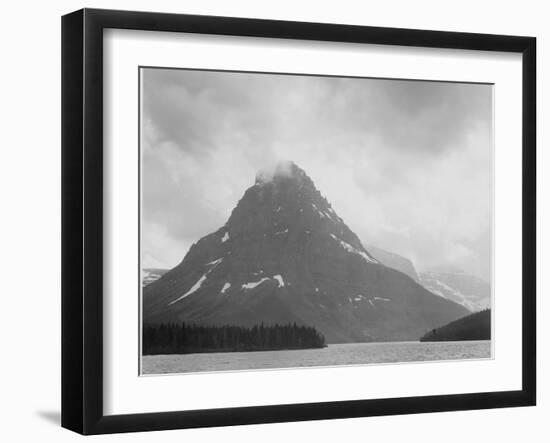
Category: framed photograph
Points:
column 268, row 221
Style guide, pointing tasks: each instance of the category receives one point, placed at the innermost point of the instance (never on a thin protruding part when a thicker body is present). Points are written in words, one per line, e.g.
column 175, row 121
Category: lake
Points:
column 333, row 355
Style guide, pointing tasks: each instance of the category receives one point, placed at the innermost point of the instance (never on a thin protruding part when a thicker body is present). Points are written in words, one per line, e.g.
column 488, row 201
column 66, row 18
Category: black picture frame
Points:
column 82, row 220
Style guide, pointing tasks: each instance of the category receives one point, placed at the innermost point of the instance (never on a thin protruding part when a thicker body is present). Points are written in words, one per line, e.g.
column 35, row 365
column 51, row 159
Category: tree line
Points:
column 475, row 326
column 182, row 338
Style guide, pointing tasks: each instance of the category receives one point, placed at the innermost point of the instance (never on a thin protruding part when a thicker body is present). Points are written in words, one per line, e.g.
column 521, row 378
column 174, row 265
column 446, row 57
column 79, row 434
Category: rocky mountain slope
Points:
column 284, row 255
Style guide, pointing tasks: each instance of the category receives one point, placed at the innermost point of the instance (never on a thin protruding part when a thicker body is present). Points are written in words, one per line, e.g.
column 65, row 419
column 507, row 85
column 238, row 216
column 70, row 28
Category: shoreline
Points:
column 230, row 351
column 224, row 351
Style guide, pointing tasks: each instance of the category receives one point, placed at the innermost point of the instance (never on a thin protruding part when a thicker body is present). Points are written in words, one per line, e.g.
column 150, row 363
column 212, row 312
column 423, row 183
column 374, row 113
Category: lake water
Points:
column 333, row 355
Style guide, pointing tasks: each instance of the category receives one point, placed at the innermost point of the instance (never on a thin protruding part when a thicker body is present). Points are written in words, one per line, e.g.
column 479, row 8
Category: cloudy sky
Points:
column 406, row 164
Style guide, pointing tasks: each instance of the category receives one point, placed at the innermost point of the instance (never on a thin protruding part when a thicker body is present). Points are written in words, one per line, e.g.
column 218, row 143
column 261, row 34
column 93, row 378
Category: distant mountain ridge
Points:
column 149, row 275
column 395, row 261
column 285, row 256
column 468, row 290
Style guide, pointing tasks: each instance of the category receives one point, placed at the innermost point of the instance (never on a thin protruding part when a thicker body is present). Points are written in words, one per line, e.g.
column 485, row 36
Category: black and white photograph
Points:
column 294, row 221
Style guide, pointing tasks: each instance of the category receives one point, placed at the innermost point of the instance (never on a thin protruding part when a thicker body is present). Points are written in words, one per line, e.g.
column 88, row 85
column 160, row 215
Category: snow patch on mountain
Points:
column 215, row 262
column 149, row 275
column 280, row 280
column 471, row 292
column 194, row 288
column 353, row 250
column 252, row 285
column 327, row 214
column 199, row 283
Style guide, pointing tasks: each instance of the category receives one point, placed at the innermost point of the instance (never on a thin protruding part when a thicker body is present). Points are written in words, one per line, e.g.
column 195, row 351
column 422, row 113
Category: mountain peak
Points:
column 284, row 199
column 284, row 255
column 282, row 170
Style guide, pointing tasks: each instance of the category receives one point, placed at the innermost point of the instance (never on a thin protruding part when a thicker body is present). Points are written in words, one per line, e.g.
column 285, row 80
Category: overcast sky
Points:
column 406, row 164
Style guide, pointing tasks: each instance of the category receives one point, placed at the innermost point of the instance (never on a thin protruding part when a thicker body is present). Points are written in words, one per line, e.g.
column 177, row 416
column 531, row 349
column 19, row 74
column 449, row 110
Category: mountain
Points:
column 149, row 275
column 468, row 290
column 285, row 256
column 475, row 326
column 395, row 261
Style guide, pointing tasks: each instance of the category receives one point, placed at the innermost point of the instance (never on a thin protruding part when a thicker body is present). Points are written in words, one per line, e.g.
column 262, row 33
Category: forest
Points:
column 475, row 326
column 181, row 338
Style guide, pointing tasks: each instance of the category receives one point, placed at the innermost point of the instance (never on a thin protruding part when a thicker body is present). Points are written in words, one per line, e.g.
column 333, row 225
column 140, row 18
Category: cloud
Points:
column 407, row 164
